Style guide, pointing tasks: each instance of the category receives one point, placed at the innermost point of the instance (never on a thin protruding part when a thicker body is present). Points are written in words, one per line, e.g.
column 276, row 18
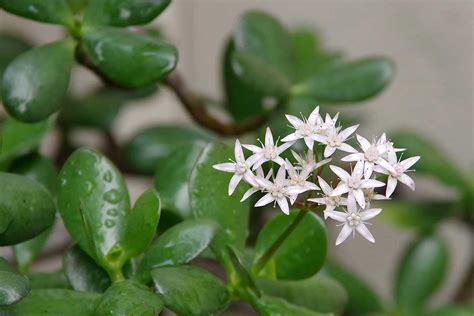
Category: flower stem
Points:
column 263, row 260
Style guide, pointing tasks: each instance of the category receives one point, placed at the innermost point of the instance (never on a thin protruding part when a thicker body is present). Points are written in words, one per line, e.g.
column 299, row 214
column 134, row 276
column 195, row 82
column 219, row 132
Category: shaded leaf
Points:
column 13, row 286
column 274, row 306
column 48, row 280
column 51, row 11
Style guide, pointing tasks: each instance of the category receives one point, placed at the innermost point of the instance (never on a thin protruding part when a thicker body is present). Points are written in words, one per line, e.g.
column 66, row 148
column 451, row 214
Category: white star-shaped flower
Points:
column 398, row 172
column 298, row 178
column 304, row 129
column 331, row 201
column 255, row 186
column 277, row 191
column 268, row 152
column 372, row 154
column 353, row 220
column 240, row 168
column 335, row 139
column 354, row 183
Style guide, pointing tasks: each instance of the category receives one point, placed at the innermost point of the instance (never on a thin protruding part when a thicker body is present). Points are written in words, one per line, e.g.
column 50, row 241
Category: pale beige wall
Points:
column 431, row 43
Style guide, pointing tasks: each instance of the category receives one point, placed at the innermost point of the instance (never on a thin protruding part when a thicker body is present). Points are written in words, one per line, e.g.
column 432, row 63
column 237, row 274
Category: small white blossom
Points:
column 240, row 168
column 353, row 220
column 255, row 186
column 277, row 191
column 298, row 178
column 372, row 154
column 335, row 139
column 354, row 183
column 370, row 195
column 304, row 129
column 268, row 152
column 331, row 201
column 398, row 174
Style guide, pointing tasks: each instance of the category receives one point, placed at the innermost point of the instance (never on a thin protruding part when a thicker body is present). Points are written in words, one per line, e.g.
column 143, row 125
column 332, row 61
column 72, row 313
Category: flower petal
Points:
column 359, row 196
column 252, row 148
column 239, row 154
column 324, row 186
column 268, row 137
column 405, row 179
column 340, row 189
column 309, row 142
column 348, row 131
column 407, row 163
column 314, row 116
column 391, row 185
column 338, row 216
column 328, row 151
column 248, row 193
column 284, row 147
column 234, row 181
column 264, row 183
column 371, row 183
column 264, row 200
column 347, row 148
column 364, row 231
column 341, row 173
column 296, row 122
column 370, row 213
column 345, row 232
column 291, row 138
column 281, row 174
column 283, row 204
column 227, row 167
column 353, row 157
column 363, row 142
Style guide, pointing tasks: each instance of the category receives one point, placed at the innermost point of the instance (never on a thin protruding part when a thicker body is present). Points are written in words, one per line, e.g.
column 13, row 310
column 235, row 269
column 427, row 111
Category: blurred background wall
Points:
column 431, row 43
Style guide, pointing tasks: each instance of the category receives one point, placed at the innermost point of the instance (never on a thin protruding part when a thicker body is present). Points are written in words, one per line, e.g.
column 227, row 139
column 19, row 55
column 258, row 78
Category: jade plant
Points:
column 223, row 222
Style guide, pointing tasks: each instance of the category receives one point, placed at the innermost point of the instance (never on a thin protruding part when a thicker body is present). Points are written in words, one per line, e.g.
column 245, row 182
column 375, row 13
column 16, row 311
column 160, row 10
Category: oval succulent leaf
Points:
column 94, row 204
column 54, row 302
column 179, row 244
column 172, row 178
column 361, row 298
column 275, row 306
column 124, row 12
column 51, row 11
column 83, row 273
column 188, row 290
column 27, row 251
column 34, row 84
column 13, row 285
column 147, row 59
column 318, row 293
column 350, row 82
column 26, row 209
column 12, row 46
column 303, row 252
column 149, row 147
column 210, row 200
column 412, row 287
column 126, row 298
column 38, row 168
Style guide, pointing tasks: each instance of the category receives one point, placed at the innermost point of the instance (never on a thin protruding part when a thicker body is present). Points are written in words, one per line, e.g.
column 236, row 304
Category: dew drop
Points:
column 108, row 176
column 113, row 196
column 109, row 223
column 112, row 212
column 89, row 187
column 63, row 181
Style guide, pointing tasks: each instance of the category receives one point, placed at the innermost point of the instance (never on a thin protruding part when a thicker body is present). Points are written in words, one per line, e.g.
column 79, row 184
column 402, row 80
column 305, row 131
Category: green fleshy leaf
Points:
column 12, row 46
column 27, row 251
column 26, row 209
column 261, row 35
column 303, row 252
column 94, row 204
column 144, row 151
column 18, row 139
column 350, row 82
column 48, row 280
column 361, row 298
column 127, row 298
column 420, row 271
column 38, row 168
column 13, row 286
column 318, row 293
column 452, row 310
column 433, row 162
column 188, row 290
column 242, row 100
column 124, row 12
column 210, row 200
column 34, row 84
column 274, row 306
column 147, row 59
column 141, row 223
column 54, row 302
column 179, row 245
column 83, row 273
column 51, row 11
column 172, row 178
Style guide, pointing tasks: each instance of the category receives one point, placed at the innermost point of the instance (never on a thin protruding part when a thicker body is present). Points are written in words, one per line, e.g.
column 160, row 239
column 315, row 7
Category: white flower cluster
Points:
column 349, row 201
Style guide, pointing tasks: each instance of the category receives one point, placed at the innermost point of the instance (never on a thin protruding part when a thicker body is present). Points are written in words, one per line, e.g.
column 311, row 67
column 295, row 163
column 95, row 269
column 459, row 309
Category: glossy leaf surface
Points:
column 179, row 244
column 302, row 253
column 172, row 178
column 124, row 12
column 50, row 11
column 318, row 293
column 34, row 84
column 350, row 82
column 83, row 273
column 420, row 272
column 126, row 298
column 275, row 306
column 147, row 59
column 210, row 199
column 26, row 209
column 12, row 46
column 13, row 285
column 188, row 290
